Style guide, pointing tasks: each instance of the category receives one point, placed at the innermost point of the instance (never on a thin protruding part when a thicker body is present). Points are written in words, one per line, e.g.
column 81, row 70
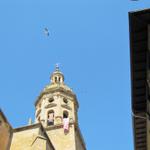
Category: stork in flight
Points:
column 46, row 31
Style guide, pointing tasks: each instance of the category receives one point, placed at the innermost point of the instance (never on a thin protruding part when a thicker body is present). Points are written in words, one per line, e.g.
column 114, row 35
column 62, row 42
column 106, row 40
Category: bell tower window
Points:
column 65, row 114
column 59, row 79
column 65, row 122
column 50, row 118
column 55, row 79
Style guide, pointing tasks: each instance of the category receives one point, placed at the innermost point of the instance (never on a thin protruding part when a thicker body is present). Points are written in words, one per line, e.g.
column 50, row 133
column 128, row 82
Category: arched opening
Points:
column 66, row 121
column 59, row 79
column 65, row 114
column 50, row 118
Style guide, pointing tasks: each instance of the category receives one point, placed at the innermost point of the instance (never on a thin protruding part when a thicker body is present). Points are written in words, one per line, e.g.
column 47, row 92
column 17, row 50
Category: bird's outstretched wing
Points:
column 46, row 31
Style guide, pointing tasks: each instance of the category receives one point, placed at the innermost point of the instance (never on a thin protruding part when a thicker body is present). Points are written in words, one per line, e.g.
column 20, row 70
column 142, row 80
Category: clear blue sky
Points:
column 90, row 38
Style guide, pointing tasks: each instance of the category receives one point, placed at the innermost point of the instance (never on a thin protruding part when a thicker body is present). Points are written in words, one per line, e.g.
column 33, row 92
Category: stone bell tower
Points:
column 56, row 109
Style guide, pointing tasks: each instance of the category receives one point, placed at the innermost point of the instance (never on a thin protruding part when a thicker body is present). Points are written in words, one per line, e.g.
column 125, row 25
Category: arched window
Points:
column 66, row 121
column 50, row 118
column 59, row 79
column 55, row 79
column 65, row 114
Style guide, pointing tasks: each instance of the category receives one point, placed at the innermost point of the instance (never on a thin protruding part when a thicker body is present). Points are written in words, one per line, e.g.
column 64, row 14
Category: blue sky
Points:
column 90, row 39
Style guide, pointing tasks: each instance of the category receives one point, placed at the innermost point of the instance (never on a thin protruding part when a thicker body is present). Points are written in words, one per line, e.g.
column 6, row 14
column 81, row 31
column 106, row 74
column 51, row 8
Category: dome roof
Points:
column 57, row 84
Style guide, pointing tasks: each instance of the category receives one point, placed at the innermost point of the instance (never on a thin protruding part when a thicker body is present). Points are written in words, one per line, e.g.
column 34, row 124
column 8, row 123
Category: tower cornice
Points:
column 57, row 89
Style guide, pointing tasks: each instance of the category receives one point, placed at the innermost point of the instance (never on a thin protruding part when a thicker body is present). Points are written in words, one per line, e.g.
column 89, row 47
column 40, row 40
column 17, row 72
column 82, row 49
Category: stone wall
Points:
column 5, row 133
column 79, row 142
column 61, row 140
column 30, row 138
column 23, row 140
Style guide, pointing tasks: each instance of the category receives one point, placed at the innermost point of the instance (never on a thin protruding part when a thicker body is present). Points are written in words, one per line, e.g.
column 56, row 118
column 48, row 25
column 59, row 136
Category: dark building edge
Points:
column 138, row 29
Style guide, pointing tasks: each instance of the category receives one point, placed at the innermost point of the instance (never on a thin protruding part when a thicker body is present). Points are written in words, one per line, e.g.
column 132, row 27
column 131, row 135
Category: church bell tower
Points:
column 56, row 109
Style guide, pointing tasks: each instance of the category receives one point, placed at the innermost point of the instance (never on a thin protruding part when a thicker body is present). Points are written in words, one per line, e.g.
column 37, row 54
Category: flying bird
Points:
column 46, row 31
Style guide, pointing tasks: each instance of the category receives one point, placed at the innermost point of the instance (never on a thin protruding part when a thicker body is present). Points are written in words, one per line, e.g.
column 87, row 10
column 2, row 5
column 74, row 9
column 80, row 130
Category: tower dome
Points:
column 57, row 76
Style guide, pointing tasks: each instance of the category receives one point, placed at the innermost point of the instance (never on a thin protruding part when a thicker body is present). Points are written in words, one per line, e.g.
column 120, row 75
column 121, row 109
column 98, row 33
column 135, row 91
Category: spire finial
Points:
column 57, row 66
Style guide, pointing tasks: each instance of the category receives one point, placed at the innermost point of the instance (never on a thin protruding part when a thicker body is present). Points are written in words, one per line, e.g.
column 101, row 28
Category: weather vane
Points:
column 57, row 66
